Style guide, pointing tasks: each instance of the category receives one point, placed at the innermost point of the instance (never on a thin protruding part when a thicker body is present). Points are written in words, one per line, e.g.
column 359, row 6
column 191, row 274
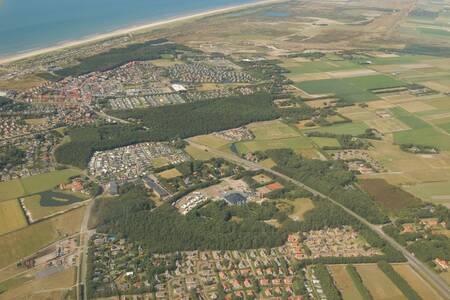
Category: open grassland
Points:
column 401, row 59
column 210, row 140
column 198, row 154
column 24, row 242
column 11, row 216
column 445, row 276
column 416, row 282
column 354, row 128
column 49, row 202
column 169, row 174
column 407, row 168
column 31, row 289
column 299, row 207
column 353, row 90
column 344, row 282
column 435, row 192
column 273, row 135
column 378, row 284
column 440, row 103
column 267, row 163
column 11, row 189
column 323, row 65
column 389, row 196
column 326, row 142
column 43, row 182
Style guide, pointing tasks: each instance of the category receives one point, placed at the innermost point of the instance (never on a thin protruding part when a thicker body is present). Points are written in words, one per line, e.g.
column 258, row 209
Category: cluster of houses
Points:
column 337, row 242
column 235, row 134
column 139, row 101
column 37, row 158
column 359, row 161
column 253, row 273
column 129, row 162
column 198, row 72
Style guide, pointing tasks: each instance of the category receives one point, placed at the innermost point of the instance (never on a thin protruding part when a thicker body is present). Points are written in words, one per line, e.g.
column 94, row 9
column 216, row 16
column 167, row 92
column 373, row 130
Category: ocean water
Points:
column 32, row 24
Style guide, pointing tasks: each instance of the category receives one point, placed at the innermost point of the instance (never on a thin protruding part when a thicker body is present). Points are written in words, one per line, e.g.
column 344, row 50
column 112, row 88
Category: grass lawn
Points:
column 326, row 142
column 43, row 182
column 344, row 282
column 272, row 130
column 210, row 140
column 169, row 174
column 11, row 216
column 268, row 163
column 436, row 192
column 300, row 207
column 296, row 68
column 423, row 136
column 354, row 128
column 409, row 119
column 24, row 242
column 11, row 189
column 389, row 196
column 49, row 202
column 416, row 282
column 354, row 89
column 198, row 154
column 378, row 284
column 160, row 162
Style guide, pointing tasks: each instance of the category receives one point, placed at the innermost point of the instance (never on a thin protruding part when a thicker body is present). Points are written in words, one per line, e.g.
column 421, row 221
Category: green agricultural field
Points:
column 297, row 68
column 43, row 182
column 434, row 32
column 409, row 119
column 436, row 192
column 326, row 142
column 24, row 242
column 355, row 89
column 210, row 140
column 11, row 189
column 424, row 136
column 402, row 59
column 445, row 126
column 198, row 154
column 295, row 143
column 354, row 128
column 272, row 130
column 49, row 202
column 11, row 216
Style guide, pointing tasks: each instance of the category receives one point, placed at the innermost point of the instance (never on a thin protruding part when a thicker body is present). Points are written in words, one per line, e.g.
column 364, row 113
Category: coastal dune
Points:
column 125, row 31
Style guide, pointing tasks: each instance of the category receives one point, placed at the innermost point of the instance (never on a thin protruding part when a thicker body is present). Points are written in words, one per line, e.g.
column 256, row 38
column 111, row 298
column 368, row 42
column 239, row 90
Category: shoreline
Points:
column 128, row 30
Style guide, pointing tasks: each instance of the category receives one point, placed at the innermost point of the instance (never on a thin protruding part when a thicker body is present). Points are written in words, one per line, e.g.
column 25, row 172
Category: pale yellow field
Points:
column 344, row 282
column 267, row 163
column 11, row 216
column 198, row 154
column 169, row 174
column 301, row 206
column 380, row 104
column 210, row 140
column 416, row 282
column 387, row 125
column 378, row 284
column 416, row 106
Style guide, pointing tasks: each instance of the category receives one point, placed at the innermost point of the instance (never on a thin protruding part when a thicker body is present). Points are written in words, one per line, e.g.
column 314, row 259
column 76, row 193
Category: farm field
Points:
column 435, row 192
column 344, row 282
column 353, row 128
column 198, row 154
column 11, row 216
column 409, row 119
column 390, row 197
column 49, row 202
column 326, row 142
column 425, row 136
column 24, row 242
column 378, row 284
column 27, row 290
column 323, row 65
column 11, row 189
column 210, row 140
column 407, row 168
column 353, row 90
column 416, row 282
column 273, row 135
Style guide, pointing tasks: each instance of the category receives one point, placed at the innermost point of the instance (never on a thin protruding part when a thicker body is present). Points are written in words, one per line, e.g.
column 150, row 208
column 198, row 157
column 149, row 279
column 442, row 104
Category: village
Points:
column 254, row 273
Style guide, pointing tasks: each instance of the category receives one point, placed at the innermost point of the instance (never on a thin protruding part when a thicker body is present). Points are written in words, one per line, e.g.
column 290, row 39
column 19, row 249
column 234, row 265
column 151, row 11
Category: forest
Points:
column 166, row 123
column 11, row 156
column 119, row 56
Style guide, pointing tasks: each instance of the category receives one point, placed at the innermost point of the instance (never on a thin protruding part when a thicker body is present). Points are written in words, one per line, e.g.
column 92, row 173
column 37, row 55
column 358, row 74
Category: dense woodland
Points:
column 166, row 123
column 119, row 56
column 331, row 178
column 11, row 156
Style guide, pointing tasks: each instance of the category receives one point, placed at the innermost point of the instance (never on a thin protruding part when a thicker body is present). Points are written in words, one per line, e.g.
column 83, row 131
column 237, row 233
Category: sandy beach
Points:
column 125, row 31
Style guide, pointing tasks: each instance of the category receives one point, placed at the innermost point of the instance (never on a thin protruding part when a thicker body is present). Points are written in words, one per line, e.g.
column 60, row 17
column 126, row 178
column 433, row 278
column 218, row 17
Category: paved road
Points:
column 431, row 277
column 85, row 235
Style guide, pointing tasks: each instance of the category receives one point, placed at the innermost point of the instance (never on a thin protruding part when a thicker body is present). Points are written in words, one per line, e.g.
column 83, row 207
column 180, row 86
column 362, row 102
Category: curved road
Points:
column 430, row 276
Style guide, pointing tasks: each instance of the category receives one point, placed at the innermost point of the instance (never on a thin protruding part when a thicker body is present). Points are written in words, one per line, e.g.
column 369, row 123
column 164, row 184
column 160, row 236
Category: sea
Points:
column 27, row 25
